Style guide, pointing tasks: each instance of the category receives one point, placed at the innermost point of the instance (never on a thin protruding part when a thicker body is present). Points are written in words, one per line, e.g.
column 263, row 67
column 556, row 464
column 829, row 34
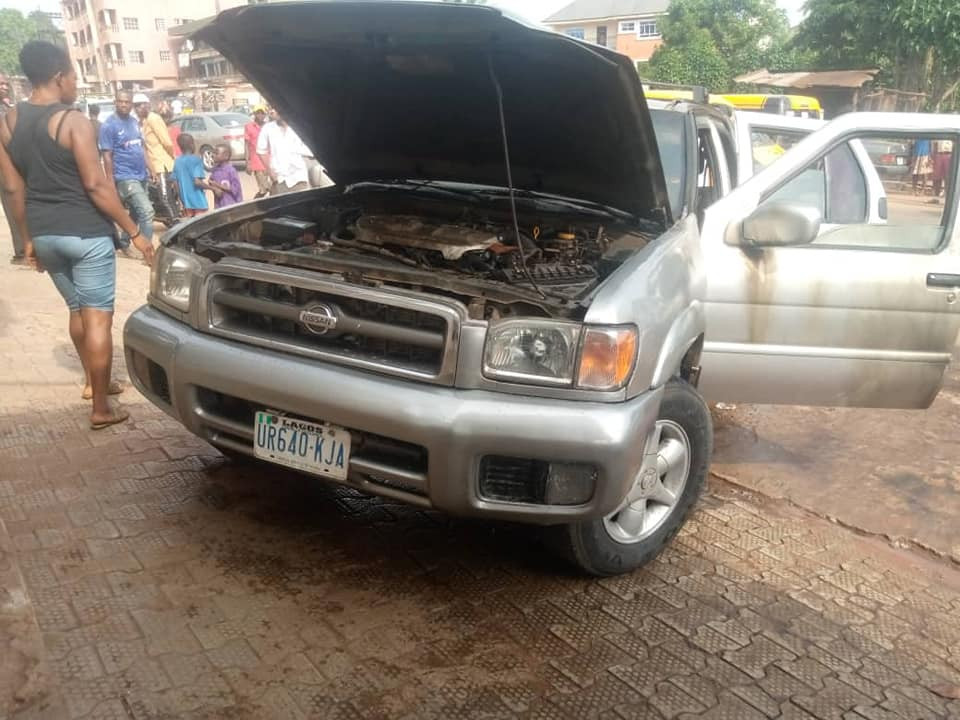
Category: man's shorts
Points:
column 84, row 270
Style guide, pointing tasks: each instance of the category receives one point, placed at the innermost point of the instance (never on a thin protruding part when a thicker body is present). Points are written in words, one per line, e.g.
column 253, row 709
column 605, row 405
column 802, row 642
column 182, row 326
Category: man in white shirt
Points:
column 285, row 155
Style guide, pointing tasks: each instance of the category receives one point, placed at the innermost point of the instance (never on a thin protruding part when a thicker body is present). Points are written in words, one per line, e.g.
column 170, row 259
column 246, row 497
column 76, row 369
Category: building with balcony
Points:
column 124, row 44
column 206, row 76
column 628, row 26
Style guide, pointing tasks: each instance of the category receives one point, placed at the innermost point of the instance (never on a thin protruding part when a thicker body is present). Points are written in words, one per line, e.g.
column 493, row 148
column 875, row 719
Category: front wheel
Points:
column 676, row 462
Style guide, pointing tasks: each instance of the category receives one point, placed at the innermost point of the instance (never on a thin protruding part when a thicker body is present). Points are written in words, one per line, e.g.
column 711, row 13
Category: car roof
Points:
column 207, row 114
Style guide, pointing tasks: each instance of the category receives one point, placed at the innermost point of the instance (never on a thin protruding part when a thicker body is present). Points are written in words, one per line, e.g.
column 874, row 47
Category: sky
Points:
column 532, row 9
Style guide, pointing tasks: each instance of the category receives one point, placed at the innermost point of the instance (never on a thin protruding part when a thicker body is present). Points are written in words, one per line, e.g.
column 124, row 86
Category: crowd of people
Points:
column 76, row 191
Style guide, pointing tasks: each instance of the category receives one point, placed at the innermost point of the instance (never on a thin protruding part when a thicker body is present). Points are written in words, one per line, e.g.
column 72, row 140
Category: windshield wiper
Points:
column 575, row 204
column 426, row 186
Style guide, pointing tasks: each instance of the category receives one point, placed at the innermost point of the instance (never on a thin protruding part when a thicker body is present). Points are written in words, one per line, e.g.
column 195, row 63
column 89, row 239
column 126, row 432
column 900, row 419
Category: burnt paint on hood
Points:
column 384, row 90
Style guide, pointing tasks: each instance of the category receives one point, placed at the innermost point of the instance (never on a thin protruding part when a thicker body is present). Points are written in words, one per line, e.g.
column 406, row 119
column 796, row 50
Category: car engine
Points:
column 557, row 262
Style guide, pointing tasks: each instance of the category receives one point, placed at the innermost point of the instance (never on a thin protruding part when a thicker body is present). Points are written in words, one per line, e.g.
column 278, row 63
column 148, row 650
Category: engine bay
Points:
column 548, row 262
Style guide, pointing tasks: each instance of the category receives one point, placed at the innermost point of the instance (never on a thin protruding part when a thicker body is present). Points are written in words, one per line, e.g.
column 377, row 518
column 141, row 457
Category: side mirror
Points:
column 780, row 224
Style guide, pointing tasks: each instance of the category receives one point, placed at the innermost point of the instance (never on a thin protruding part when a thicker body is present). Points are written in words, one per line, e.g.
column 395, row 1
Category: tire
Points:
column 206, row 153
column 603, row 546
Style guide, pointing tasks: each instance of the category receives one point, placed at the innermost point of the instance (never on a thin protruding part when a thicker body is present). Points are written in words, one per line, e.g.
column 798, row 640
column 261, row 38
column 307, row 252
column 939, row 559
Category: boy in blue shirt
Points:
column 190, row 177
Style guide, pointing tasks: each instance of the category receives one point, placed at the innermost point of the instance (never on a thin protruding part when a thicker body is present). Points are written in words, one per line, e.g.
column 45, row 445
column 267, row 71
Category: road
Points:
column 143, row 577
column 911, row 211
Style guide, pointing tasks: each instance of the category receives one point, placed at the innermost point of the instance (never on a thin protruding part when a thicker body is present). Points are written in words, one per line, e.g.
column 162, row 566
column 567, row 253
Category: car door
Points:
column 861, row 315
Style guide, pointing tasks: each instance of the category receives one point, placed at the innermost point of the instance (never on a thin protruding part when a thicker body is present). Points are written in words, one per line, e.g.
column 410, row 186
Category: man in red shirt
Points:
column 254, row 164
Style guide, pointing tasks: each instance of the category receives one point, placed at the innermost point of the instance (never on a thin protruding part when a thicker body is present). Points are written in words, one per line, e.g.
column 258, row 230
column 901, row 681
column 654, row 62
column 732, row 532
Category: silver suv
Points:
column 506, row 305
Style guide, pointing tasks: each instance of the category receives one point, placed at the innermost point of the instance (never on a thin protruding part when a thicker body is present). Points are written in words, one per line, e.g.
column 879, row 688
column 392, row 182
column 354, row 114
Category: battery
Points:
column 285, row 229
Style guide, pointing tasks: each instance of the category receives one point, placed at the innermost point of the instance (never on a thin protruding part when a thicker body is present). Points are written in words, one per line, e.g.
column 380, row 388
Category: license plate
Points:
column 308, row 446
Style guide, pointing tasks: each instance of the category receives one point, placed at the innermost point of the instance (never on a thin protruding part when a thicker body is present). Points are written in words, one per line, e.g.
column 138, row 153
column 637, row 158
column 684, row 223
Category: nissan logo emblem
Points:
column 318, row 319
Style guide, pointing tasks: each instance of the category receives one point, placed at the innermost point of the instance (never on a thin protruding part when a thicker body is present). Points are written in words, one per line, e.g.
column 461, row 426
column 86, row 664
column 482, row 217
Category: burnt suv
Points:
column 504, row 306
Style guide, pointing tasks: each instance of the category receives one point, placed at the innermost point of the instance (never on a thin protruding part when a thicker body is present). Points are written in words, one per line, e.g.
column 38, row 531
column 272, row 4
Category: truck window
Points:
column 834, row 185
column 768, row 144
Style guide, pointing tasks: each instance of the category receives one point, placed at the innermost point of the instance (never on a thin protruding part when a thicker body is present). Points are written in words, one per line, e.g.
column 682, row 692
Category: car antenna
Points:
column 506, row 157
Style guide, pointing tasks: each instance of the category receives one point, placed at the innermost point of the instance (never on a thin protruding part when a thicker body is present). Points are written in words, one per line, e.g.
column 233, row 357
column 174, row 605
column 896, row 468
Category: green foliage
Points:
column 16, row 30
column 45, row 29
column 915, row 43
column 710, row 42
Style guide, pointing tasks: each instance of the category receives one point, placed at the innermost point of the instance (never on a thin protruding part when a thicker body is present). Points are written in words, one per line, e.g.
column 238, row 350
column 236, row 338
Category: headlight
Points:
column 550, row 352
column 542, row 352
column 172, row 276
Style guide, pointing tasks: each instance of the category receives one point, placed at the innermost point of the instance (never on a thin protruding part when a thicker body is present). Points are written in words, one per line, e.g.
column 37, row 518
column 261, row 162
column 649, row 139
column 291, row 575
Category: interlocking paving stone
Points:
column 166, row 583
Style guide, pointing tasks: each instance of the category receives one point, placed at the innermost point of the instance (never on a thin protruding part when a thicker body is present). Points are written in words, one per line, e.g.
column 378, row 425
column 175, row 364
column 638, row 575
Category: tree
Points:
column 44, row 29
column 914, row 43
column 710, row 42
column 16, row 30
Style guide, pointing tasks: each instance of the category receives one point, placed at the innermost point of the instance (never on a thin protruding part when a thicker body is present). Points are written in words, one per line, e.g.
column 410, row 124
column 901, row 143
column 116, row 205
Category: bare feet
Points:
column 115, row 389
column 115, row 417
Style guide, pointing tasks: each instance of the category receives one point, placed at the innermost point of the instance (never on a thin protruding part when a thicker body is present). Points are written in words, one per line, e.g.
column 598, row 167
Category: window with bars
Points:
column 165, row 56
column 160, row 23
column 647, row 29
column 136, row 57
column 131, row 24
column 642, row 28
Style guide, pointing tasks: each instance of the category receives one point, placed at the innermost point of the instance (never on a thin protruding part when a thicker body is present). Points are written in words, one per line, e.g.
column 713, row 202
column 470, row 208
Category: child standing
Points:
column 224, row 180
column 190, row 177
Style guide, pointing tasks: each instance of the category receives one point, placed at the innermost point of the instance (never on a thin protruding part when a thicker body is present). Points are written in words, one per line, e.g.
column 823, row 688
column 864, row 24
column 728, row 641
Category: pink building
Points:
column 627, row 26
column 124, row 43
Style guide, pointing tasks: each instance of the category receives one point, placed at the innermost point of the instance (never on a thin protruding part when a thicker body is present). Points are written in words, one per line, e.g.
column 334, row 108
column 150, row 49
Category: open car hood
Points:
column 390, row 90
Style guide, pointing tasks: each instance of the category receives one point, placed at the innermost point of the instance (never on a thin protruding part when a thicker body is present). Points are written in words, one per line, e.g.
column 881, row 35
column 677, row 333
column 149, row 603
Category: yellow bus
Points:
column 793, row 105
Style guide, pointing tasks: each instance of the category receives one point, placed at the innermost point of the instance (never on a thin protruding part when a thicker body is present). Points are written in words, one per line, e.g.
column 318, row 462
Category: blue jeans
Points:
column 134, row 195
column 83, row 269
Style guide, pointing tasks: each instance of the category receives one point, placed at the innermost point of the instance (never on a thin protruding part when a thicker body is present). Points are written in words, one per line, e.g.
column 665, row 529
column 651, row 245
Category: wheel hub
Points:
column 657, row 488
column 648, row 481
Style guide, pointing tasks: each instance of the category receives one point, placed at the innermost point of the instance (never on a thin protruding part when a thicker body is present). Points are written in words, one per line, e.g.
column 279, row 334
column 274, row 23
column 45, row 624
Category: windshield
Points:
column 230, row 120
column 668, row 126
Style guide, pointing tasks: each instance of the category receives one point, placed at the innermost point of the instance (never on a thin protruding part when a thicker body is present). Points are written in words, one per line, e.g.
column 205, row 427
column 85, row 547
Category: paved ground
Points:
column 891, row 472
column 142, row 578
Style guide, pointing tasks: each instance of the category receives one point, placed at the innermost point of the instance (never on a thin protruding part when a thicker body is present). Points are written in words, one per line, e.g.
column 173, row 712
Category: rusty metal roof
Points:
column 828, row 78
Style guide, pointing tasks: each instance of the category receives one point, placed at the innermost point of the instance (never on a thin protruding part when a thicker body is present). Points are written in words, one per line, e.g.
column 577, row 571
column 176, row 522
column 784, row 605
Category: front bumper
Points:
column 179, row 369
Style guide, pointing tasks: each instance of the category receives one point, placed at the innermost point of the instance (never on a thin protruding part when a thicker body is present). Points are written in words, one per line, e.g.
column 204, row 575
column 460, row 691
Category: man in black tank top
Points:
column 65, row 207
column 6, row 104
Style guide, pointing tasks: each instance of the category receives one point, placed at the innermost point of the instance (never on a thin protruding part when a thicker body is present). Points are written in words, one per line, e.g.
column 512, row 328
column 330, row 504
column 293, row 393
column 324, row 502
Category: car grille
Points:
column 384, row 331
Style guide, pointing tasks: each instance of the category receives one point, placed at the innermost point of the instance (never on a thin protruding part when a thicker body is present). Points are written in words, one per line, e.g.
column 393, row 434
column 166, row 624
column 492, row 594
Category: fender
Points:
column 687, row 328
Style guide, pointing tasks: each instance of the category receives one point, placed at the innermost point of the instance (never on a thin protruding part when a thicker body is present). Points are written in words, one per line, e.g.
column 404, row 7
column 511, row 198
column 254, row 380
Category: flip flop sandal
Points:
column 119, row 416
column 115, row 389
